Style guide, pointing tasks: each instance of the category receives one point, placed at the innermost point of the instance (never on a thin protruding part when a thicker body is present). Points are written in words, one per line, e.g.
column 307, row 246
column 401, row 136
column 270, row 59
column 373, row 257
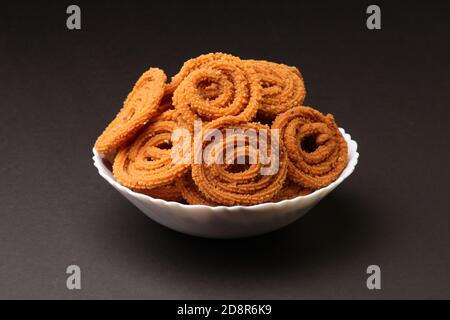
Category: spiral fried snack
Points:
column 224, row 178
column 194, row 64
column 169, row 192
column 282, row 87
column 190, row 192
column 316, row 148
column 139, row 107
column 216, row 86
column 148, row 162
column 301, row 151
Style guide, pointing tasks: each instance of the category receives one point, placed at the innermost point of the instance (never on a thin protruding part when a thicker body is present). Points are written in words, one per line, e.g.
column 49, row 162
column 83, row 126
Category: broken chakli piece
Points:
column 227, row 94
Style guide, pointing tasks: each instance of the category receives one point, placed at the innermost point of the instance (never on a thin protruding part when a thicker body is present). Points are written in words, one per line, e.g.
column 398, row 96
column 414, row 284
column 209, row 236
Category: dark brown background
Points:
column 388, row 88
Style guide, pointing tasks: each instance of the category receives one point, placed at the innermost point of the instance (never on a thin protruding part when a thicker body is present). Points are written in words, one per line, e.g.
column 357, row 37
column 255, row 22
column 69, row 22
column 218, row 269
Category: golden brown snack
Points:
column 316, row 148
column 233, row 184
column 168, row 115
column 283, row 87
column 193, row 64
column 166, row 101
column 139, row 107
column 190, row 192
column 216, row 86
column 225, row 93
column 148, row 163
column 290, row 190
column 169, row 192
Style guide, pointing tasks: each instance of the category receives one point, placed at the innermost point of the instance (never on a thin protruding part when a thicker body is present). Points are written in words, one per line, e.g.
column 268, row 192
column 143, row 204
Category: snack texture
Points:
column 224, row 131
column 141, row 105
column 245, row 187
column 282, row 87
column 317, row 151
column 147, row 163
column 215, row 86
column 190, row 192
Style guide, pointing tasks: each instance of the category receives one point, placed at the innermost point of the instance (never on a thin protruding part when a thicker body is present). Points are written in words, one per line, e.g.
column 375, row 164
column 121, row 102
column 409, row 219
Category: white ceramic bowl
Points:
column 228, row 222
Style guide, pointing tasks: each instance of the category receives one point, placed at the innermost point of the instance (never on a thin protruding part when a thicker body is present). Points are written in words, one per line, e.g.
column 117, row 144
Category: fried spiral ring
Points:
column 148, row 162
column 316, row 148
column 194, row 64
column 139, row 107
column 223, row 185
column 218, row 87
column 282, row 87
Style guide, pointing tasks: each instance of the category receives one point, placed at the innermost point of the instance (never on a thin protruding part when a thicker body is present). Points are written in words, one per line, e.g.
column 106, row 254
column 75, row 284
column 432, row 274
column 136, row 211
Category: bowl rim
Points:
column 348, row 170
